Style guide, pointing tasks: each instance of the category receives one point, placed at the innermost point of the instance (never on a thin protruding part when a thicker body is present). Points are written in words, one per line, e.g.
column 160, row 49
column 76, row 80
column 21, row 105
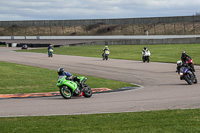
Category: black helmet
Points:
column 61, row 71
column 145, row 48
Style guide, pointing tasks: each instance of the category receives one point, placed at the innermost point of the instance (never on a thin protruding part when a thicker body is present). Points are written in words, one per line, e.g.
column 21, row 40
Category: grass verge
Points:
column 159, row 53
column 168, row 121
column 17, row 78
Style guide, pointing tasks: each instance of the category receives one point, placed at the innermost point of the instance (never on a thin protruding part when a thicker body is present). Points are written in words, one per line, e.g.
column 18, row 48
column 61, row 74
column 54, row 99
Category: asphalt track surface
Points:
column 161, row 87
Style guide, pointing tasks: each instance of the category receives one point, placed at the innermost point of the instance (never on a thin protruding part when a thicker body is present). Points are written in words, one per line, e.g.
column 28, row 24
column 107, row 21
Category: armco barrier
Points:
column 195, row 40
column 105, row 40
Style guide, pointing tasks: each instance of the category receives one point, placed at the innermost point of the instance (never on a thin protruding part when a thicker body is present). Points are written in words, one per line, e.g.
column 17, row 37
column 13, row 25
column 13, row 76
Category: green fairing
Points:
column 71, row 84
column 81, row 78
column 69, row 88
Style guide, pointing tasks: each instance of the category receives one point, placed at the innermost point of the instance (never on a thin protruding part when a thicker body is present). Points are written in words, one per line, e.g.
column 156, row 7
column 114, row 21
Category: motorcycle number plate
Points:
column 107, row 52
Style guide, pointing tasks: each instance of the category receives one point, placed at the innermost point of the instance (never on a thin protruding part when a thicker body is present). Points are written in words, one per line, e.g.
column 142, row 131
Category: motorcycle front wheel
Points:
column 143, row 59
column 65, row 92
column 87, row 91
column 188, row 80
column 147, row 59
column 103, row 57
column 106, row 57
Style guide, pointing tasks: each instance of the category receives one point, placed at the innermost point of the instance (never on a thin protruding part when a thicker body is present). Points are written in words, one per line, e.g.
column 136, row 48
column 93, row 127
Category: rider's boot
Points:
column 81, row 85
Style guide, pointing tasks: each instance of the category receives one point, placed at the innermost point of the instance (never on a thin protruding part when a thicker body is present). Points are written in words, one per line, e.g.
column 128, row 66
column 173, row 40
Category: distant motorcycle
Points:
column 187, row 75
column 50, row 53
column 190, row 63
column 105, row 54
column 145, row 56
column 24, row 47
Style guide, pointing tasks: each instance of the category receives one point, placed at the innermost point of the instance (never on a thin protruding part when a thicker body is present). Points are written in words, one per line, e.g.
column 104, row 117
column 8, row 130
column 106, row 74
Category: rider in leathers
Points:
column 181, row 64
column 105, row 48
column 145, row 52
column 69, row 76
column 184, row 58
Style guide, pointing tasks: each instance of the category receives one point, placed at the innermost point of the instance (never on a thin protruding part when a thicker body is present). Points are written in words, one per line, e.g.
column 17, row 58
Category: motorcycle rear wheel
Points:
column 87, row 91
column 65, row 92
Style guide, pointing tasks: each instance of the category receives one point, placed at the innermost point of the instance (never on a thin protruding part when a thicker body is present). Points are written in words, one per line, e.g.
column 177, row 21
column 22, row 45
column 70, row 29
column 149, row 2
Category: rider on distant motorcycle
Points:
column 50, row 47
column 184, row 58
column 62, row 72
column 106, row 52
column 145, row 52
column 105, row 48
column 24, row 46
column 181, row 64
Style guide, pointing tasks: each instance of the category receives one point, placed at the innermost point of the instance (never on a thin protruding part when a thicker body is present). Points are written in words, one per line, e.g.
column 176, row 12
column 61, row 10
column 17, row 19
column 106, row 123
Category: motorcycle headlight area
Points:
column 181, row 74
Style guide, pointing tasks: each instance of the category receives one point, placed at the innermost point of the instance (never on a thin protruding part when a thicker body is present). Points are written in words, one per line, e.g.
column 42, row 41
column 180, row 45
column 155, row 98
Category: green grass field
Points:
column 168, row 121
column 17, row 78
column 159, row 53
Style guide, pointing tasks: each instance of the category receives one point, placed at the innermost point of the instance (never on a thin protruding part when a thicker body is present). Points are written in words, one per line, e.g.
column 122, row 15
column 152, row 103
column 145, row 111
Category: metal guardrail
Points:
column 97, row 37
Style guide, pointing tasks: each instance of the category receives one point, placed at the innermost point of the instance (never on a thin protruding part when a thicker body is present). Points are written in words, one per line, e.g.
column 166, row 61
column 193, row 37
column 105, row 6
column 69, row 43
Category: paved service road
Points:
column 162, row 87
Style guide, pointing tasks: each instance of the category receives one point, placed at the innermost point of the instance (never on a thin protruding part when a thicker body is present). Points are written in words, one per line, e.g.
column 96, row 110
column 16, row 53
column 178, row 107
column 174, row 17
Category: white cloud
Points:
column 94, row 9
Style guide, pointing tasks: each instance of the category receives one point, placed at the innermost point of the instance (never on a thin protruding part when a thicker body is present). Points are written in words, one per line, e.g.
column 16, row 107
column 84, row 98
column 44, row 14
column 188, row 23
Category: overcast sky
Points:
column 94, row 9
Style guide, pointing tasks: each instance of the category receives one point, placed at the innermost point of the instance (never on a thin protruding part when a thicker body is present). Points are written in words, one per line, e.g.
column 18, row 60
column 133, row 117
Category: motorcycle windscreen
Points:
column 183, row 69
column 60, row 77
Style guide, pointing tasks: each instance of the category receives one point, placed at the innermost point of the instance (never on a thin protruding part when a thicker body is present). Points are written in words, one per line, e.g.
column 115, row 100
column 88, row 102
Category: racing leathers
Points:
column 185, row 58
column 69, row 76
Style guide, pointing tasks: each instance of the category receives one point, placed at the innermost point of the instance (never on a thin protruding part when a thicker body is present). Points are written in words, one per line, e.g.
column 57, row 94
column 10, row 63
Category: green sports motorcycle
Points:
column 68, row 87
